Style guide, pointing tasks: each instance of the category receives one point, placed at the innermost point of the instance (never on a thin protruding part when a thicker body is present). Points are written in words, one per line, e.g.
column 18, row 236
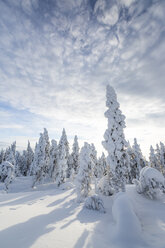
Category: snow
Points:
column 48, row 217
column 128, row 231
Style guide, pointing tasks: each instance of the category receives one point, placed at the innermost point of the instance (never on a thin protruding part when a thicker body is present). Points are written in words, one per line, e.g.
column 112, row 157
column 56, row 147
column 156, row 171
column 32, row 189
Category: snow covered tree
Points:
column 115, row 142
column 102, row 166
column 74, row 157
column 94, row 159
column 41, row 158
column 61, row 165
column 53, row 159
column 18, row 164
column 6, row 173
column 64, row 142
column 73, row 160
column 2, row 156
column 84, row 173
column 132, row 164
column 162, row 157
column 151, row 182
column 29, row 158
column 10, row 153
column 153, row 162
column 138, row 159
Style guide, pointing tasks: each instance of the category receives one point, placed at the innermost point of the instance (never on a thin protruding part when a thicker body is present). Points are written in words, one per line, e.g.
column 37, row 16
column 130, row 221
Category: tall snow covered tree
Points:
column 61, row 166
column 94, row 159
column 139, row 161
column 29, row 158
column 102, row 166
column 10, row 153
column 64, row 141
column 85, row 172
column 18, row 164
column 41, row 161
column 153, row 162
column 115, row 142
column 73, row 162
column 162, row 157
column 64, row 144
column 2, row 156
column 53, row 159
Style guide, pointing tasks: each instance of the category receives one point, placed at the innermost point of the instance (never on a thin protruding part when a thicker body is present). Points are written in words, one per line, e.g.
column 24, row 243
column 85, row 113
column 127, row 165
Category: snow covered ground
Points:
column 48, row 217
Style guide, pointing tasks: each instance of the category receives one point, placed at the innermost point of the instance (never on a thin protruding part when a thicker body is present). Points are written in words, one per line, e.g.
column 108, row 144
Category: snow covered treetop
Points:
column 111, row 96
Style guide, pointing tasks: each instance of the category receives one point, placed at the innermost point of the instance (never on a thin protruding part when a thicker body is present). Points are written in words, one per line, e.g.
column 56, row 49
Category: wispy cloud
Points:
column 57, row 57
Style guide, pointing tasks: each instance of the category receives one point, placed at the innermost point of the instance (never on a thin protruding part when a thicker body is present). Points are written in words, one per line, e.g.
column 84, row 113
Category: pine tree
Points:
column 85, row 172
column 61, row 165
column 18, row 164
column 64, row 144
column 132, row 164
column 139, row 161
column 74, row 157
column 29, row 158
column 153, row 159
column 94, row 159
column 41, row 158
column 10, row 153
column 115, row 142
column 2, row 156
column 162, row 157
column 102, row 166
column 53, row 159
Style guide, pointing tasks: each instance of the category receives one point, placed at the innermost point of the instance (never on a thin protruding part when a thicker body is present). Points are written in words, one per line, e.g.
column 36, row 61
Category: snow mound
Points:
column 94, row 202
column 151, row 182
column 105, row 187
column 128, row 228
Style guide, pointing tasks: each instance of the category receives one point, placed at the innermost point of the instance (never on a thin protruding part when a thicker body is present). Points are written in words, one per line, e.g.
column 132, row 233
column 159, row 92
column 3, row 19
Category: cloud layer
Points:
column 58, row 55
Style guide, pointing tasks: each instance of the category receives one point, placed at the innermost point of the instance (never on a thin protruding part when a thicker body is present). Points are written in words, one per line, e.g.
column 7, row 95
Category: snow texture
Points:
column 50, row 217
column 128, row 231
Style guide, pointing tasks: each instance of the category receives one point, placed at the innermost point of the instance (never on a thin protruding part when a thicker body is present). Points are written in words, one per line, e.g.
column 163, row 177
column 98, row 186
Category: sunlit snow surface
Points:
column 48, row 217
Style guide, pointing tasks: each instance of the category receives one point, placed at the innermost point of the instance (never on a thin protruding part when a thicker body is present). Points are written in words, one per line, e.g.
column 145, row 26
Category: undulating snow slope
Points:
column 48, row 217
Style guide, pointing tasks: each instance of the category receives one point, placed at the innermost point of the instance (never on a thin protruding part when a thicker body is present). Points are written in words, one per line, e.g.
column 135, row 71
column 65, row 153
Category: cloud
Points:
column 57, row 57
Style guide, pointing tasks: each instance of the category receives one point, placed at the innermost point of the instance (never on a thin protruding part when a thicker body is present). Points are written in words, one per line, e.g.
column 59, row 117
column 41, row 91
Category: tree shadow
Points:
column 81, row 241
column 26, row 233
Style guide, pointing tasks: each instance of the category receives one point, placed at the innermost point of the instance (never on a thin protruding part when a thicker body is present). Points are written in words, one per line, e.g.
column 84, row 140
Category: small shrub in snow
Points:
column 95, row 203
column 151, row 182
column 6, row 173
column 105, row 187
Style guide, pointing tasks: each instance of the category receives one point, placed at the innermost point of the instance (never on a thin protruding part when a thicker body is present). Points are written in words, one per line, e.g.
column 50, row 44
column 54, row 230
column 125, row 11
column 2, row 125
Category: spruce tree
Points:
column 64, row 144
column 115, row 142
column 41, row 161
column 61, row 165
column 53, row 159
column 85, row 172
column 139, row 161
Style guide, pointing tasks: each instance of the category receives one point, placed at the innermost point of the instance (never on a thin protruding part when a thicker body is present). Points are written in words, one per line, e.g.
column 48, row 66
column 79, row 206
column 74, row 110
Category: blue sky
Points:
column 56, row 57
